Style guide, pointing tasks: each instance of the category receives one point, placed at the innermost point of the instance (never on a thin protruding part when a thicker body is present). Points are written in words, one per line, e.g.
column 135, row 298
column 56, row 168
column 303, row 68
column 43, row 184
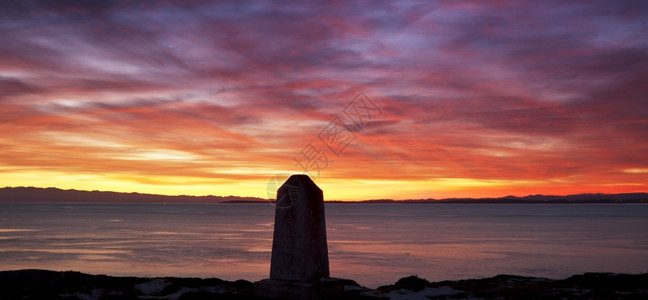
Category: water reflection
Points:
column 373, row 244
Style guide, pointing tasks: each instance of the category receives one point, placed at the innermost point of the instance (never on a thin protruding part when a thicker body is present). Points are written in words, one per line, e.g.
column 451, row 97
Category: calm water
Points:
column 373, row 244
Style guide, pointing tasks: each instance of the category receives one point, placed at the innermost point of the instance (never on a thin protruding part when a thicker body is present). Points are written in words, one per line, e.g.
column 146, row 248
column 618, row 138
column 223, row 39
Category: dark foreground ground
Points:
column 41, row 284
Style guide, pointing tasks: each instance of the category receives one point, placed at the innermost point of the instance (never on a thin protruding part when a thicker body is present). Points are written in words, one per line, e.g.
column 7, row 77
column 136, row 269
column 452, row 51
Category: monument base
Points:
column 325, row 288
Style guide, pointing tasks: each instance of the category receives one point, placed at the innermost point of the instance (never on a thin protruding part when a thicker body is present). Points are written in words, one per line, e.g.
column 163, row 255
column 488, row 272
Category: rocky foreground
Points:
column 41, row 284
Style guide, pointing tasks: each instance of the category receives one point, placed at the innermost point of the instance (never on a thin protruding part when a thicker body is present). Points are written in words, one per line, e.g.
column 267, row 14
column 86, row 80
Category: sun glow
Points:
column 422, row 111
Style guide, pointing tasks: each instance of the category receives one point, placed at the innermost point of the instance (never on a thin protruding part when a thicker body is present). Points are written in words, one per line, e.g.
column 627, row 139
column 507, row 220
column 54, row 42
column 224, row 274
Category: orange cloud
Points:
column 478, row 99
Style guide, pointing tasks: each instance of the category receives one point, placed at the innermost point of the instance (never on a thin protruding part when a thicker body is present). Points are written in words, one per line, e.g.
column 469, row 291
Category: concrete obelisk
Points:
column 299, row 268
column 299, row 249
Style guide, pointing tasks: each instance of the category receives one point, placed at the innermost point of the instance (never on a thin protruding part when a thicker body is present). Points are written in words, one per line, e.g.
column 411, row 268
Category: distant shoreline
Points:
column 55, row 195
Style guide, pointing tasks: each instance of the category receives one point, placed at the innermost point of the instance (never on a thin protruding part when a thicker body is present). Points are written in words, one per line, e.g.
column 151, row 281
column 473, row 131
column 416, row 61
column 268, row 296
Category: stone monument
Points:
column 299, row 268
column 299, row 249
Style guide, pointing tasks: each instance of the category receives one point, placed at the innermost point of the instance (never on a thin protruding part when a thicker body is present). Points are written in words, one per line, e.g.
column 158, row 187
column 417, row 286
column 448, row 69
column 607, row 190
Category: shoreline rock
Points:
column 44, row 284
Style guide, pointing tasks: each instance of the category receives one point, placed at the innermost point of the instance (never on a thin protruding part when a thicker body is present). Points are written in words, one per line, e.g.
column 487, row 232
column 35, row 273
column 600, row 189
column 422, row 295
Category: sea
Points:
column 372, row 243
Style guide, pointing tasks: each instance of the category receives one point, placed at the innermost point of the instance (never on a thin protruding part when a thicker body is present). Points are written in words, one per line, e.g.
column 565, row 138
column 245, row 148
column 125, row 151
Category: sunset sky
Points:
column 376, row 99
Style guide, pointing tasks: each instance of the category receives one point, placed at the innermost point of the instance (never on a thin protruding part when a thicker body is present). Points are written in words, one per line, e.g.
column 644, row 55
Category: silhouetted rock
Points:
column 413, row 283
column 41, row 284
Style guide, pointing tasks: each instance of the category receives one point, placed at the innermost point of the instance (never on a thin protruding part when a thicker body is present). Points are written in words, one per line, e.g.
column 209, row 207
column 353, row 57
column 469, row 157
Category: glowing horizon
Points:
column 477, row 99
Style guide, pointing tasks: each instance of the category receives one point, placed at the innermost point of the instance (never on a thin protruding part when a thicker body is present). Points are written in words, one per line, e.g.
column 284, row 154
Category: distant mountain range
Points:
column 32, row 194
column 578, row 198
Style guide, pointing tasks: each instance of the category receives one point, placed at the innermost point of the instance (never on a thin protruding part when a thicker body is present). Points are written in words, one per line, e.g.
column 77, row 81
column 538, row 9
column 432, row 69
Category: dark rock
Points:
column 413, row 283
column 41, row 284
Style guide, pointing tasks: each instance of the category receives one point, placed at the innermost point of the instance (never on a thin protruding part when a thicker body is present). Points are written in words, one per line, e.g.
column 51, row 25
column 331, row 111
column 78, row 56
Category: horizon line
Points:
column 250, row 198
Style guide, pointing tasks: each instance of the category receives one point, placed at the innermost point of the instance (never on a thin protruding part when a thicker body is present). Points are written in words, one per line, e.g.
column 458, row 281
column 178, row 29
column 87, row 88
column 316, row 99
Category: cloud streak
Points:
column 479, row 98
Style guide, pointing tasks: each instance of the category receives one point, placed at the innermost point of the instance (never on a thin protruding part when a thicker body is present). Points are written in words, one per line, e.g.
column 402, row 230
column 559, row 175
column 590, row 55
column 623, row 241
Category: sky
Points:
column 373, row 100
